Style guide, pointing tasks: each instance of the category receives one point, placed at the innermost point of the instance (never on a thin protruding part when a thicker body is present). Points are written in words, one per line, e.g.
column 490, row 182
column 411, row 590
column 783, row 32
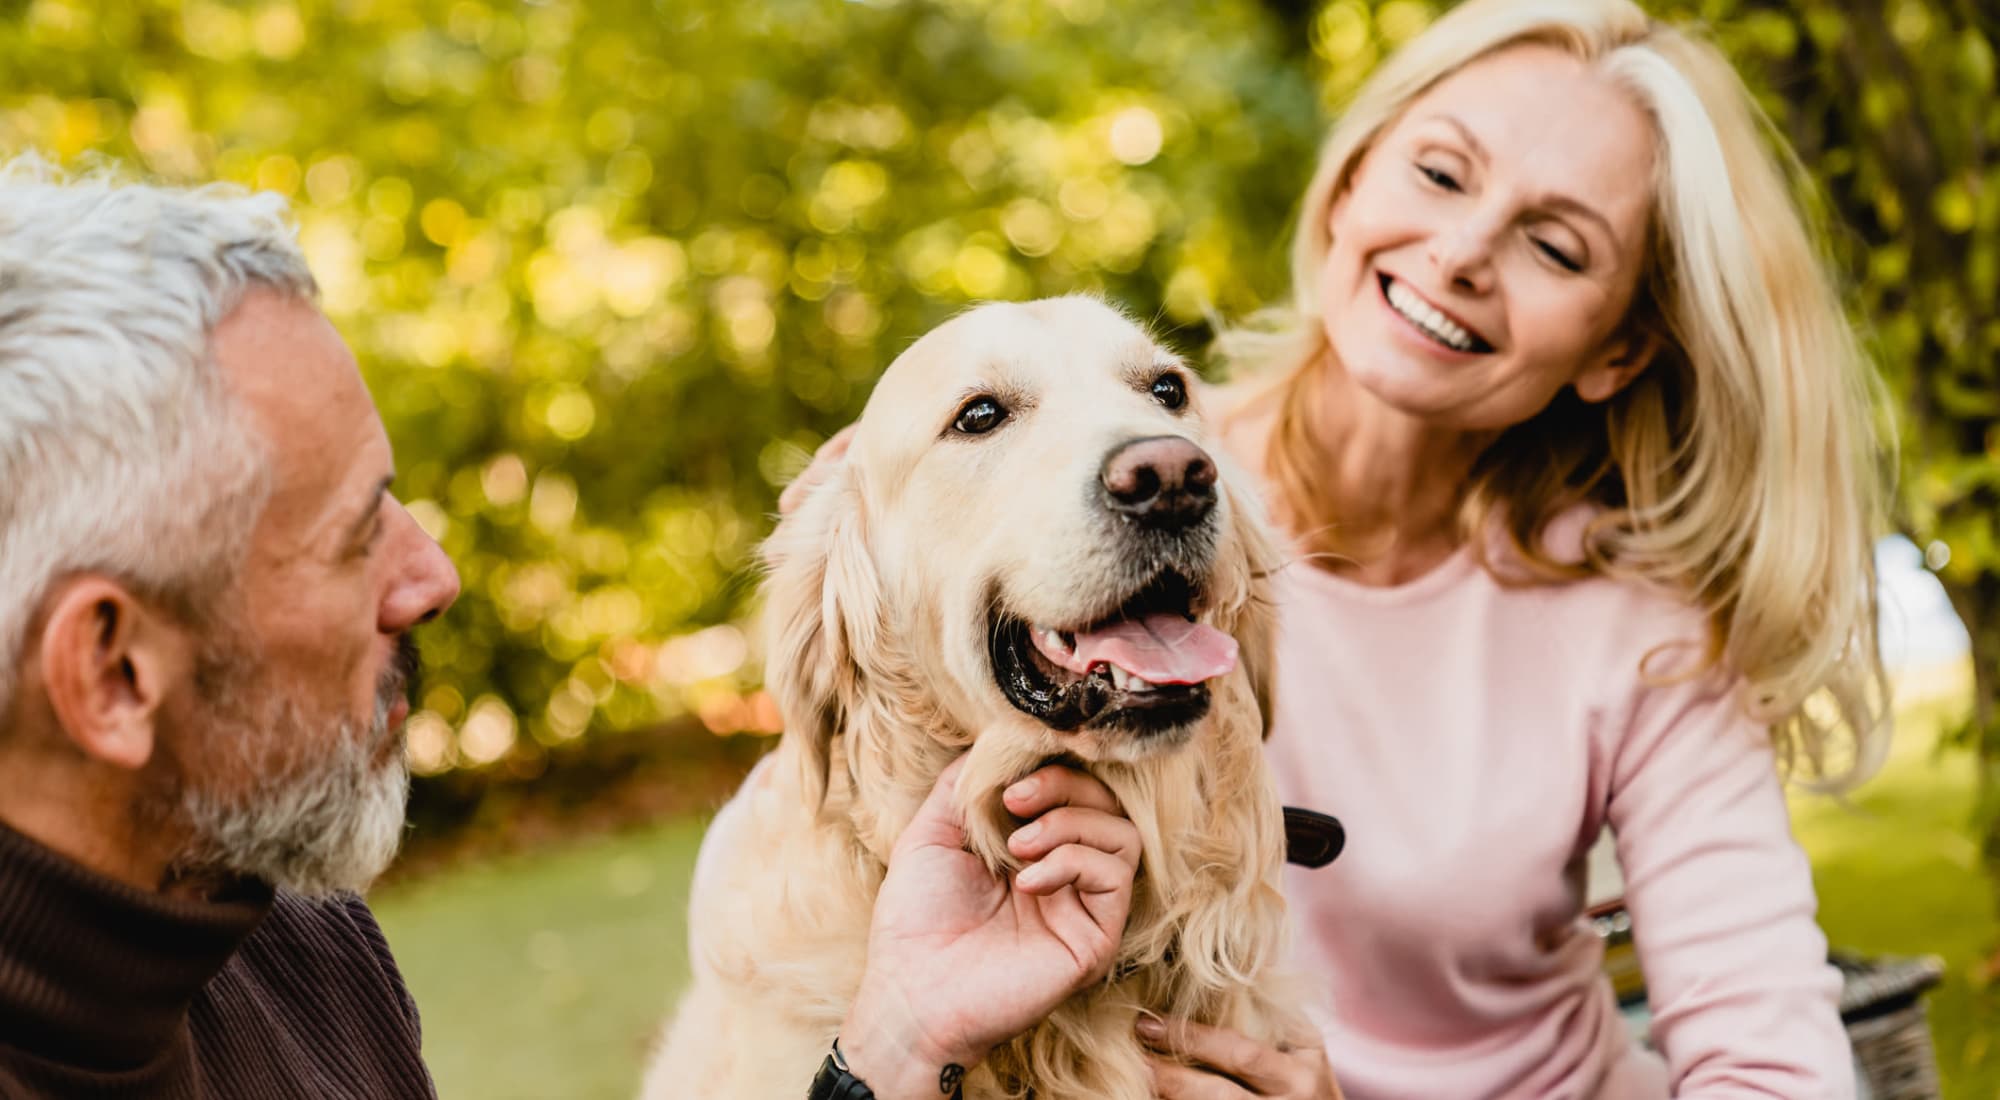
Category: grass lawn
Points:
column 1899, row 874
column 544, row 977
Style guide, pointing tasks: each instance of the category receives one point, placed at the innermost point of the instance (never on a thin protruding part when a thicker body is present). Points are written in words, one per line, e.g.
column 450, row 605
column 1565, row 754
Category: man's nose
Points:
column 426, row 582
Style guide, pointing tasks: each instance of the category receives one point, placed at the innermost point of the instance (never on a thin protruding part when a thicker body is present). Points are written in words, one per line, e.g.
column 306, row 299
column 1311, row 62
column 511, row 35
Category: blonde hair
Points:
column 1741, row 467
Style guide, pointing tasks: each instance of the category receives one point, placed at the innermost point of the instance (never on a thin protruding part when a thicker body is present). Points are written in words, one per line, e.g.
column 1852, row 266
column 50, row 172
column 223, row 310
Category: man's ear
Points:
column 109, row 662
column 1617, row 364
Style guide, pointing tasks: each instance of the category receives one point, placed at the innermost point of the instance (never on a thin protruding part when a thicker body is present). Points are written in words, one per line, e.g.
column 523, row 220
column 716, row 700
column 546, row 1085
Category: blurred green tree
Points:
column 1893, row 105
column 613, row 268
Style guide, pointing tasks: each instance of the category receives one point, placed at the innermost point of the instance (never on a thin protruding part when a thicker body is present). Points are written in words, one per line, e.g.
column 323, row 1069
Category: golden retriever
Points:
column 1027, row 555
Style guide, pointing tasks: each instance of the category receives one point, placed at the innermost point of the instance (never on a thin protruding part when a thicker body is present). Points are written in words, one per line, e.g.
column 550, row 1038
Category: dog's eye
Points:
column 1170, row 391
column 979, row 416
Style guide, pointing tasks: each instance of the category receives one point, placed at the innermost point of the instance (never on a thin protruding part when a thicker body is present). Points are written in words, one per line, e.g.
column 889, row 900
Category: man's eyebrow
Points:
column 360, row 523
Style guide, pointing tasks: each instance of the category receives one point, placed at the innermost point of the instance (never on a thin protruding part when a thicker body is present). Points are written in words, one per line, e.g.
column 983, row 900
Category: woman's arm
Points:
column 1744, row 1002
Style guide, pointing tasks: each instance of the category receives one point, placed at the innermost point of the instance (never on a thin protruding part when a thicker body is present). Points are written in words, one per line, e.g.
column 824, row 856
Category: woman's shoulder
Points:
column 1625, row 618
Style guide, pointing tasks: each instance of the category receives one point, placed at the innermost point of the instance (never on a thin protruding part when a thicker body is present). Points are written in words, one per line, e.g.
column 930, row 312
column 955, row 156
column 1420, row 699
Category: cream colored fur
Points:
column 877, row 600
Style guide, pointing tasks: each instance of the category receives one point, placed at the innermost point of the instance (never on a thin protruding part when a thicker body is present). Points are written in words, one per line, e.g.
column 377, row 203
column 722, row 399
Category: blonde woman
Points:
column 1573, row 442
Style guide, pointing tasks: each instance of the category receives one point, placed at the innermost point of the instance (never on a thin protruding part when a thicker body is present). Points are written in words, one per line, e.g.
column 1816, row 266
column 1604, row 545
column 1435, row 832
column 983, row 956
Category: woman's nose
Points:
column 1462, row 254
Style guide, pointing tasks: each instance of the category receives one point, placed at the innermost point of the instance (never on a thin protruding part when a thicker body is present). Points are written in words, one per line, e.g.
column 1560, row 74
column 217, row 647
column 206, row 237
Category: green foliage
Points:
column 614, row 268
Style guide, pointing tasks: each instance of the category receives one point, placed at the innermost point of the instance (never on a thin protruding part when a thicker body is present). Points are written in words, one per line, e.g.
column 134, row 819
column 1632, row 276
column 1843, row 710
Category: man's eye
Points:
column 979, row 416
column 1170, row 391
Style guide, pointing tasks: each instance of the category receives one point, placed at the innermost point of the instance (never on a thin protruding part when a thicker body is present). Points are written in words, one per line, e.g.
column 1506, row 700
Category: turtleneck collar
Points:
column 97, row 974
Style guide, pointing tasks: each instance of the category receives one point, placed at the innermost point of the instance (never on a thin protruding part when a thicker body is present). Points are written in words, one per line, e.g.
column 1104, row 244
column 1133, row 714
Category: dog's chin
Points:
column 1127, row 721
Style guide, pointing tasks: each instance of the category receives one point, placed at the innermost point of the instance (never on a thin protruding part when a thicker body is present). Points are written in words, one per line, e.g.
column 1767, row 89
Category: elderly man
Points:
column 207, row 593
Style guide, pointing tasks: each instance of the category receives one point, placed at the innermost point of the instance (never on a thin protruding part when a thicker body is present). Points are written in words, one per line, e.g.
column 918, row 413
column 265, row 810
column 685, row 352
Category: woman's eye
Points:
column 1438, row 178
column 1561, row 258
column 1170, row 391
column 979, row 416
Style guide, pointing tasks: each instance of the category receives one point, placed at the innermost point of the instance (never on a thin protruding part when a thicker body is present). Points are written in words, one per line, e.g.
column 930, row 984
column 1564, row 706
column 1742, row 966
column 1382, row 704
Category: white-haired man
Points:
column 207, row 591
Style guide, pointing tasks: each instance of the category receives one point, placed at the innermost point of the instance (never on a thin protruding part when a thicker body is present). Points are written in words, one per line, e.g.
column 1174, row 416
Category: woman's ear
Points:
column 108, row 663
column 1618, row 364
column 820, row 611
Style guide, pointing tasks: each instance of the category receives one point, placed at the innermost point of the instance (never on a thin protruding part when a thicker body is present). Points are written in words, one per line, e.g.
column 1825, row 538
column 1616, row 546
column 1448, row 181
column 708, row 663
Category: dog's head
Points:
column 1032, row 551
column 1030, row 539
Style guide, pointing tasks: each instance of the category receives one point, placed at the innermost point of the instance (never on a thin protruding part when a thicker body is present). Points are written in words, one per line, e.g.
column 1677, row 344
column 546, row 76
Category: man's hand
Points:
column 1228, row 1065
column 959, row 961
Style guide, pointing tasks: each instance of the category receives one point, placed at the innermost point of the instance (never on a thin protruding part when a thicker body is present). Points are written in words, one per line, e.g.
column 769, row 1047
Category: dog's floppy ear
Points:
column 1256, row 624
column 820, row 613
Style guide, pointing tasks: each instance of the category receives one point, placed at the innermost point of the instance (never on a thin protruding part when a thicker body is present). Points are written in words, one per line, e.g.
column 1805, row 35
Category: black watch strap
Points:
column 834, row 1082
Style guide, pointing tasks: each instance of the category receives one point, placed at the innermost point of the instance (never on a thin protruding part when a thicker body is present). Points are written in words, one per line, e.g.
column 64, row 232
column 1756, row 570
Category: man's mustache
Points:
column 404, row 675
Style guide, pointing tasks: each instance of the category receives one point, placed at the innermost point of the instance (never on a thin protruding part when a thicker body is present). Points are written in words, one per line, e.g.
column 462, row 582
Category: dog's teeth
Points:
column 1054, row 639
column 1138, row 686
column 1121, row 679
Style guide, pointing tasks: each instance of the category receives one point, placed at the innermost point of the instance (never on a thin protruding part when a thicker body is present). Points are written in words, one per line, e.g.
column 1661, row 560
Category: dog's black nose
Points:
column 1164, row 482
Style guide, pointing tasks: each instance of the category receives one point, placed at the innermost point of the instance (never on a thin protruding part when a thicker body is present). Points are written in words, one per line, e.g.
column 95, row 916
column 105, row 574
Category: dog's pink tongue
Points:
column 1165, row 649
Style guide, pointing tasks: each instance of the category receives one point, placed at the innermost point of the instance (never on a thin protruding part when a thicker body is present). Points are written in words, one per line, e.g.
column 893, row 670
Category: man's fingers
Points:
column 1173, row 1081
column 1256, row 1064
column 1056, row 785
column 1090, row 870
column 830, row 454
column 1076, row 825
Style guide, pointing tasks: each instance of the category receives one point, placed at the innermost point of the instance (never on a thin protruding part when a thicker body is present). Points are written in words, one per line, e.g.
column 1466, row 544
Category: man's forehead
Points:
column 299, row 386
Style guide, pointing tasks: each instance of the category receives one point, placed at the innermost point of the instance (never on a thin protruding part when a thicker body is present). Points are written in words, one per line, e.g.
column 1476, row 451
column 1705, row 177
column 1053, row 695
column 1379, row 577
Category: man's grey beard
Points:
column 319, row 813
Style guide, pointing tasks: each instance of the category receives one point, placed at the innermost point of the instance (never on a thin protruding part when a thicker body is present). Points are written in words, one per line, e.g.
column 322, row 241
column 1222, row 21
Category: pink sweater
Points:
column 1474, row 738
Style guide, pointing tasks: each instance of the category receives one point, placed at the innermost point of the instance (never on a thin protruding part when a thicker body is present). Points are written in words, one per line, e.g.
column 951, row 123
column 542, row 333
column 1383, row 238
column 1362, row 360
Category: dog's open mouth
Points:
column 1145, row 666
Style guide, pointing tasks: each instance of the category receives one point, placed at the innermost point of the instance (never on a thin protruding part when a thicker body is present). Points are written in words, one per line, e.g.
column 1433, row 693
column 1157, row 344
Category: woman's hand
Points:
column 1229, row 1065
column 960, row 961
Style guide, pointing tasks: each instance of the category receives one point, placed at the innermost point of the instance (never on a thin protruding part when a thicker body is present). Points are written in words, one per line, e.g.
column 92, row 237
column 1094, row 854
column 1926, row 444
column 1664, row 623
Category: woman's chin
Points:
column 1413, row 389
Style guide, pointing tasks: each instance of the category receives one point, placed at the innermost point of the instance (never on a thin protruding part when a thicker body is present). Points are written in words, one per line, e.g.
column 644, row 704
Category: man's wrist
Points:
column 835, row 1082
column 886, row 1048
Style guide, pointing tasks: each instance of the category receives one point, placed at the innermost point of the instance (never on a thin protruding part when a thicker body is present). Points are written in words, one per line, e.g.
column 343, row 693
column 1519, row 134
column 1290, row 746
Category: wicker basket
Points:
column 1882, row 1004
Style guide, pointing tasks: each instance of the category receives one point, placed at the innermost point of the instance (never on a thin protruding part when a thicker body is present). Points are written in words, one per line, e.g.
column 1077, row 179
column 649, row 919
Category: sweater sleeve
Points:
column 1744, row 1002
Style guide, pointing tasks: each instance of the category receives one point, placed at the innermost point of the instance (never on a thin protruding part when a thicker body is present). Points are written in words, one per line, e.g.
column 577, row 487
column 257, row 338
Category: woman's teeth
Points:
column 1434, row 324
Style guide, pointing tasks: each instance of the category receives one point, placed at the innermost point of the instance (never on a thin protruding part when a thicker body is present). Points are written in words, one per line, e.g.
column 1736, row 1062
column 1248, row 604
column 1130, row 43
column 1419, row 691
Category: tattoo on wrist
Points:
column 950, row 1078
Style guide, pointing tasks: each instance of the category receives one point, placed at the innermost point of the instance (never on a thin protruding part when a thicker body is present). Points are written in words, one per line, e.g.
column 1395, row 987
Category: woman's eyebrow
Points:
column 1554, row 200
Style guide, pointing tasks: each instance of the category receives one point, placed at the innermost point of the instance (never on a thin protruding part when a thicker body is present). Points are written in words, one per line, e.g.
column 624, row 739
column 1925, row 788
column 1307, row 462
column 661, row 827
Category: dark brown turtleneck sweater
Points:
column 110, row 993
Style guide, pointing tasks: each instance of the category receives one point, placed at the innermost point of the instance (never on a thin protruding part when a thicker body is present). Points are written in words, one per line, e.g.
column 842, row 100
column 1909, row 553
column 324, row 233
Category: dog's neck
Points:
column 876, row 794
